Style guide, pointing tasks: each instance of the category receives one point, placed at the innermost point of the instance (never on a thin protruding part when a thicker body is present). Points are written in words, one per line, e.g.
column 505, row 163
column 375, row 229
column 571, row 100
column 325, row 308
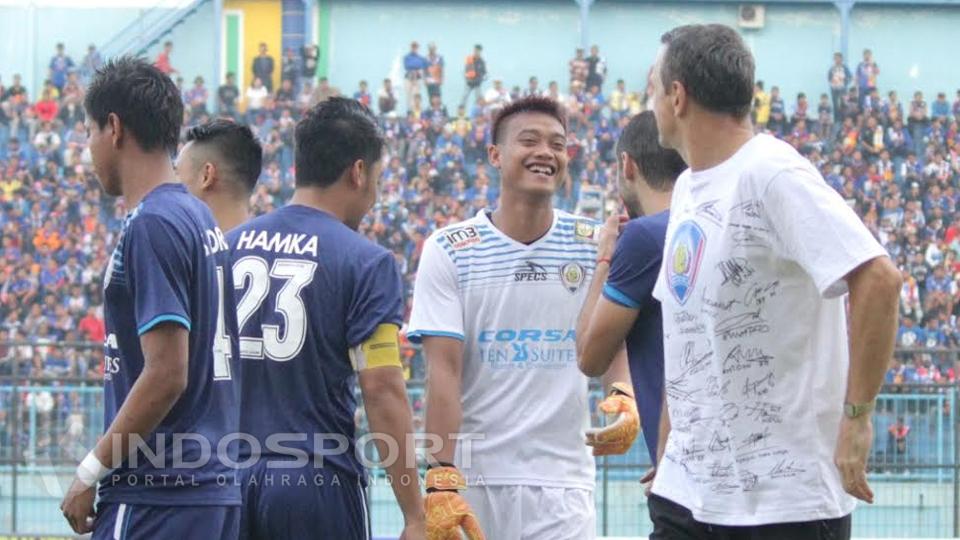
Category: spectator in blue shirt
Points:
column 413, row 66
column 940, row 109
column 939, row 281
column 52, row 277
column 56, row 363
column 898, row 140
column 60, row 65
column 90, row 64
column 933, row 337
column 909, row 335
column 363, row 95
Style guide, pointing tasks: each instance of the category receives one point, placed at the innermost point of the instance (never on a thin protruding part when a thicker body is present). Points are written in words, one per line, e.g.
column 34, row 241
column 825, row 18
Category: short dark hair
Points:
column 146, row 101
column 531, row 104
column 659, row 166
column 242, row 153
column 331, row 137
column 713, row 64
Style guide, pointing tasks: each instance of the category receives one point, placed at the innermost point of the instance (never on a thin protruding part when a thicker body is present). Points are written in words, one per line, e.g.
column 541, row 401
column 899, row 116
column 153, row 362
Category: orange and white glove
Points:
column 617, row 436
column 447, row 511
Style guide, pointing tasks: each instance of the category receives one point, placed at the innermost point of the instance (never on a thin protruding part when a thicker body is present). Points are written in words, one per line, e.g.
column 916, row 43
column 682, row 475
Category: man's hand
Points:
column 853, row 447
column 447, row 511
column 77, row 506
column 617, row 437
column 607, row 242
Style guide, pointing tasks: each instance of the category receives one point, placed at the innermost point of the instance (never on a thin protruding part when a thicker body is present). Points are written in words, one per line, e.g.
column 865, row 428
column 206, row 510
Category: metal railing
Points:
column 149, row 27
column 47, row 424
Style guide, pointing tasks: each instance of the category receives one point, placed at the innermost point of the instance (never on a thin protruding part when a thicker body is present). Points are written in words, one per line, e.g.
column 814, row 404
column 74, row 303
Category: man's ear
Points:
column 493, row 155
column 679, row 99
column 357, row 174
column 116, row 130
column 210, row 176
column 630, row 168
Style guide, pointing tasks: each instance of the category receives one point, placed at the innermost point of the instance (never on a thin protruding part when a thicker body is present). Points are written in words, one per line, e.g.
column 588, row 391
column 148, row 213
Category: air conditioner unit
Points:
column 751, row 16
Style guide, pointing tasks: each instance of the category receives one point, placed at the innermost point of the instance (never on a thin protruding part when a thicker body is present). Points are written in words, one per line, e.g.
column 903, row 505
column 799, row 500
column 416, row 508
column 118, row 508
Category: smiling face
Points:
column 532, row 153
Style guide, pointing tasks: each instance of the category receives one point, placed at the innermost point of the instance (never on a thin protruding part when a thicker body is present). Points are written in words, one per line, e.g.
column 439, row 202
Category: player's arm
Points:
column 437, row 322
column 373, row 326
column 447, row 510
column 602, row 325
column 388, row 413
column 159, row 386
column 158, row 269
column 444, row 357
column 618, row 374
column 601, row 330
column 874, row 303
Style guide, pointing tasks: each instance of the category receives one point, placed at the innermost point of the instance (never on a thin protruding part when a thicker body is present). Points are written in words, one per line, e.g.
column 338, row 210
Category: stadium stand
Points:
column 896, row 163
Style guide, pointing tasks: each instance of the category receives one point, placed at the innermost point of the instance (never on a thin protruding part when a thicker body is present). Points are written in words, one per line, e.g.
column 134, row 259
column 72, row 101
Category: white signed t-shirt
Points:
column 755, row 338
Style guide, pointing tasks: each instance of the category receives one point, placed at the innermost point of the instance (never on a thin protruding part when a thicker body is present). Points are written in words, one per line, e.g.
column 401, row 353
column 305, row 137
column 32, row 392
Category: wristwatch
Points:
column 855, row 410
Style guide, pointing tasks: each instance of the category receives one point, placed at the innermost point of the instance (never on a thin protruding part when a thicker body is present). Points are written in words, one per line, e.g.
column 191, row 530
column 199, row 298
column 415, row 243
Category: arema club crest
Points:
column 572, row 276
column 684, row 258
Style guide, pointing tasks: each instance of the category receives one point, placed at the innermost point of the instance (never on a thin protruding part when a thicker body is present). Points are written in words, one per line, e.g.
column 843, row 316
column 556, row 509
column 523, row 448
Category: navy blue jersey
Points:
column 309, row 289
column 169, row 266
column 633, row 273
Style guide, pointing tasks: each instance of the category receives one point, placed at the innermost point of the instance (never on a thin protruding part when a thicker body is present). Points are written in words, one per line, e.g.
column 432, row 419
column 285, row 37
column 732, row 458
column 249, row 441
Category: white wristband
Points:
column 91, row 470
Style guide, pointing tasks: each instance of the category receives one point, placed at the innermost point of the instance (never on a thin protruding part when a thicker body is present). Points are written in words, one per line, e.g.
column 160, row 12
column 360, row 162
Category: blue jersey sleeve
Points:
column 158, row 270
column 377, row 299
column 634, row 268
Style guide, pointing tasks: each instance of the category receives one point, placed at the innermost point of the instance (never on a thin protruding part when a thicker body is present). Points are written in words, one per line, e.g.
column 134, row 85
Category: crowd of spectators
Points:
column 897, row 164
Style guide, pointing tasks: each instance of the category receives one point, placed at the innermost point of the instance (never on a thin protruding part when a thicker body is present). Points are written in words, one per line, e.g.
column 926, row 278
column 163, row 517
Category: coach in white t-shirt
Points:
column 768, row 426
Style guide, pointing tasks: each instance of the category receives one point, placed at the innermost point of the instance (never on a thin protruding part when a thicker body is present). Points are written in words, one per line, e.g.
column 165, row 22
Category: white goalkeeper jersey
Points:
column 515, row 307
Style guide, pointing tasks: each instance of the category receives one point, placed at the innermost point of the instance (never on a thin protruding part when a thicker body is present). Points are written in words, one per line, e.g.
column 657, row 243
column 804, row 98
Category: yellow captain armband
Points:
column 381, row 349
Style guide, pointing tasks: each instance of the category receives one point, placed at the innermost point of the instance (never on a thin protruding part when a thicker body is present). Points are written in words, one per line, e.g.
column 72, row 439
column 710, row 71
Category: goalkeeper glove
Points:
column 617, row 437
column 447, row 511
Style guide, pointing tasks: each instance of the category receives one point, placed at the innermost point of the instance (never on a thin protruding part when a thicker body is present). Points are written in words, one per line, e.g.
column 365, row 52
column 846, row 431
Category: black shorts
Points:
column 672, row 521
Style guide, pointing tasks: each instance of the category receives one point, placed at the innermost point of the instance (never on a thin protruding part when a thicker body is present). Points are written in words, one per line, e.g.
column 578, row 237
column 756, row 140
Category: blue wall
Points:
column 792, row 51
column 368, row 39
column 28, row 36
column 914, row 47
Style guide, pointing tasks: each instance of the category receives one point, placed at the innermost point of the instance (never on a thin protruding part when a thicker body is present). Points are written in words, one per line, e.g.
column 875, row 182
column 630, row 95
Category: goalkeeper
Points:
column 495, row 305
column 626, row 309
